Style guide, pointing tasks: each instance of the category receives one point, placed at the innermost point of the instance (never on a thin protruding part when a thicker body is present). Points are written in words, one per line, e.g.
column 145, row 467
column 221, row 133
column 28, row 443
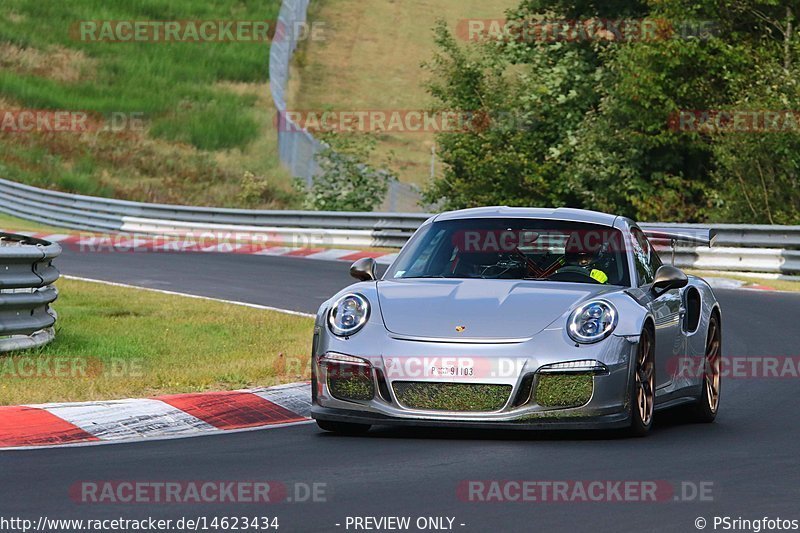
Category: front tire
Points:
column 705, row 410
column 343, row 428
column 643, row 386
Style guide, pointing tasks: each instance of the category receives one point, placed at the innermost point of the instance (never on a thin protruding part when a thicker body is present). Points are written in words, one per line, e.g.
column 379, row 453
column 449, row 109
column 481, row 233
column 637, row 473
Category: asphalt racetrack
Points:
column 747, row 461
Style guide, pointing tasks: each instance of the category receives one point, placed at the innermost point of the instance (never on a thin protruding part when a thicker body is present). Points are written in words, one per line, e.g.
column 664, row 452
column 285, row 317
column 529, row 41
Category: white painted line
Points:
column 126, row 419
column 330, row 255
column 294, row 397
column 58, row 237
column 215, row 432
column 173, row 246
column 195, row 296
column 277, row 250
column 222, row 248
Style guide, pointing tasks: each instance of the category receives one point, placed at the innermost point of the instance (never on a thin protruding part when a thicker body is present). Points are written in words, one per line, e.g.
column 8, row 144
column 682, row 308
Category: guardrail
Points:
column 297, row 148
column 291, row 228
column 26, row 291
column 737, row 248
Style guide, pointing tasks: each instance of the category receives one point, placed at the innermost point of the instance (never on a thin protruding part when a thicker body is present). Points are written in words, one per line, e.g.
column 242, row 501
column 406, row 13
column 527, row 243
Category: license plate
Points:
column 451, row 371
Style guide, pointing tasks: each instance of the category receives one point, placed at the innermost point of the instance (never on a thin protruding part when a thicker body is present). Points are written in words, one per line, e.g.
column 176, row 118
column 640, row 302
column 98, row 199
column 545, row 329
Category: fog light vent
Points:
column 350, row 382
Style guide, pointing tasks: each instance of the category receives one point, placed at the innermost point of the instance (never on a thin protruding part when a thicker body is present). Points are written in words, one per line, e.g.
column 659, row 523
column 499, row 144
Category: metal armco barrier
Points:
column 742, row 248
column 26, row 291
column 736, row 248
column 291, row 228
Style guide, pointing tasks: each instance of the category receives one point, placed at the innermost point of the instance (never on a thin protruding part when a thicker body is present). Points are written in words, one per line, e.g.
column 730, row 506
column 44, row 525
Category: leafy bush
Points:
column 345, row 181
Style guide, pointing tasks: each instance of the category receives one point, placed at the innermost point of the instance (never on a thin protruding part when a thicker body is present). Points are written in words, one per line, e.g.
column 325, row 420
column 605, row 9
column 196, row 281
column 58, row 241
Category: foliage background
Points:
column 591, row 118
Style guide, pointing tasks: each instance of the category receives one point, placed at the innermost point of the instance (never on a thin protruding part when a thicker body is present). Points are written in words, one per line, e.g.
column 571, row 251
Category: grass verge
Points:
column 117, row 342
column 193, row 121
column 371, row 59
column 11, row 223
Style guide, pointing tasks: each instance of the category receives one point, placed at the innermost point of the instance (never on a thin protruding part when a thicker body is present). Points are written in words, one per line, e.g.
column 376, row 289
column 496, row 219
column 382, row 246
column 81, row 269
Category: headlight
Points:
column 592, row 322
column 348, row 315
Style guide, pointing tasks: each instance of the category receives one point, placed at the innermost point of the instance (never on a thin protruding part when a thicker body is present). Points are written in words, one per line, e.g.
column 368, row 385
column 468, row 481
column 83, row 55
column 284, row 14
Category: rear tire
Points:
column 343, row 428
column 642, row 392
column 707, row 406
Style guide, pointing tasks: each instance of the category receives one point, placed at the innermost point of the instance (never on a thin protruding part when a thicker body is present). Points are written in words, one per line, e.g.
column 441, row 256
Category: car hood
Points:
column 486, row 309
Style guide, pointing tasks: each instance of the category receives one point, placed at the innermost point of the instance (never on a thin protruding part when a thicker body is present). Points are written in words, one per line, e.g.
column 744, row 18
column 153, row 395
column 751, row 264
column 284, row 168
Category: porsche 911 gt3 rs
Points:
column 520, row 318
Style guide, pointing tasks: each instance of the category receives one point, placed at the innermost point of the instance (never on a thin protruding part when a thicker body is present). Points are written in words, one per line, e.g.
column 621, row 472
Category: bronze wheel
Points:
column 713, row 369
column 705, row 410
column 643, row 391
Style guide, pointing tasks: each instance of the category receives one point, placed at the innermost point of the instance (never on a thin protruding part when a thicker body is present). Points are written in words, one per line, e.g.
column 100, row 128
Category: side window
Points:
column 645, row 257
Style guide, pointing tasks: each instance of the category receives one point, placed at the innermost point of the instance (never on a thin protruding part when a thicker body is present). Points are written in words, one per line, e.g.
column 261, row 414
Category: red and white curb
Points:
column 162, row 417
column 154, row 244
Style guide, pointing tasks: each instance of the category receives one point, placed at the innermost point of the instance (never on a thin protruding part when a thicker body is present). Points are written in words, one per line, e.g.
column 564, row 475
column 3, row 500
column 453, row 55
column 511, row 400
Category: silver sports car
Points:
column 520, row 318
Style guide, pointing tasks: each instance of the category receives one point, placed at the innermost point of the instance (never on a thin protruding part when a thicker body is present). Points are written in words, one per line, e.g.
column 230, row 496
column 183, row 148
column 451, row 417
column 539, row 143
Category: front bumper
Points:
column 608, row 407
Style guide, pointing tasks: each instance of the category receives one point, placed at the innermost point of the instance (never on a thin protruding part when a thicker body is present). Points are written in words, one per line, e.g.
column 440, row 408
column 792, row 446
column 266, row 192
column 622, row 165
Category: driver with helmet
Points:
column 577, row 259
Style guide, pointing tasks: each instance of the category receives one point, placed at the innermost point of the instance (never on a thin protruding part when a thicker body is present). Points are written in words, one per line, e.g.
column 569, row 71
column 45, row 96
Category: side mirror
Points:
column 364, row 269
column 667, row 278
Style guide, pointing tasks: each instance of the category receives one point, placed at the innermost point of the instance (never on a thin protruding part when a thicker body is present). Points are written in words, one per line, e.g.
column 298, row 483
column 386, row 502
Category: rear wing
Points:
column 671, row 236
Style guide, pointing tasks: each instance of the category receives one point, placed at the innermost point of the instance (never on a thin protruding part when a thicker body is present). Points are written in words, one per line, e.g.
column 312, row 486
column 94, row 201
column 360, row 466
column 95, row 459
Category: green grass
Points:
column 9, row 223
column 118, row 342
column 206, row 107
column 143, row 77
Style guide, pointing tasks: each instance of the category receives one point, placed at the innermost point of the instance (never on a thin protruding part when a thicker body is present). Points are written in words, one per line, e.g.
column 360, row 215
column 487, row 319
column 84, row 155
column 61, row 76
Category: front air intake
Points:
column 466, row 397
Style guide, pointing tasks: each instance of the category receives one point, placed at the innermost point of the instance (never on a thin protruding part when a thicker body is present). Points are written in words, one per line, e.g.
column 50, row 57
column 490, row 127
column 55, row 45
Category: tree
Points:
column 529, row 113
column 598, row 115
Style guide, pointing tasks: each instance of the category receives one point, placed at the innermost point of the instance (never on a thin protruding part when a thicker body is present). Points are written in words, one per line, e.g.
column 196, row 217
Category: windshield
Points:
column 515, row 248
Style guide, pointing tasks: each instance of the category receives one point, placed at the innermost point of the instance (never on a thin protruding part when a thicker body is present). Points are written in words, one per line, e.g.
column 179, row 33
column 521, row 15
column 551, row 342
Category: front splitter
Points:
column 609, row 421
